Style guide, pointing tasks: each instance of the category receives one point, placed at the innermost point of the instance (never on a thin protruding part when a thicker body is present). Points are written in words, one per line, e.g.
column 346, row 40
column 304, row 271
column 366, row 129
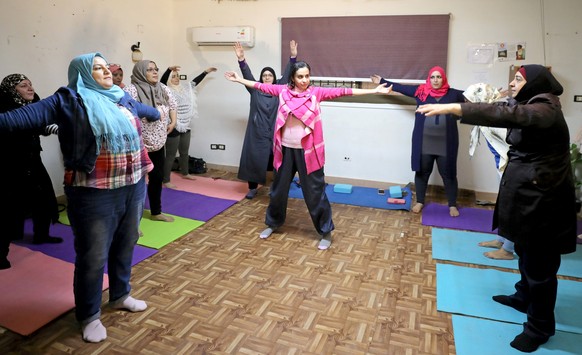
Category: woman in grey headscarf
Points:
column 146, row 88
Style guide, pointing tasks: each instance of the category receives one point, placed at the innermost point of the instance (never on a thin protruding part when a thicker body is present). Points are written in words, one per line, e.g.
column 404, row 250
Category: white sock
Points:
column 325, row 242
column 266, row 233
column 132, row 305
column 94, row 332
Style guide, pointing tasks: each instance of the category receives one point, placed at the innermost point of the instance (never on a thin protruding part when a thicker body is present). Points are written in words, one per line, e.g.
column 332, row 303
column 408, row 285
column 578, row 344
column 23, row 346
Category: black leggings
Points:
column 421, row 178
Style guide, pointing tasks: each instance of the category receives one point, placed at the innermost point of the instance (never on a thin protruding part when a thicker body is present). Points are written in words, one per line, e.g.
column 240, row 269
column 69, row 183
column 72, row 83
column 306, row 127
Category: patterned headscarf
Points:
column 426, row 89
column 9, row 87
column 110, row 126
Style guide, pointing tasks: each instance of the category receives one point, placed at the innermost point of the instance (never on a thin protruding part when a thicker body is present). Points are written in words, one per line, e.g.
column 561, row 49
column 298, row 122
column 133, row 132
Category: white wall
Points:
column 39, row 39
column 375, row 137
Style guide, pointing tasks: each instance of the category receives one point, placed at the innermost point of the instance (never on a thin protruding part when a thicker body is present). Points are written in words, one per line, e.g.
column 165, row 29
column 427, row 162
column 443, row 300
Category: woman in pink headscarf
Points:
column 433, row 138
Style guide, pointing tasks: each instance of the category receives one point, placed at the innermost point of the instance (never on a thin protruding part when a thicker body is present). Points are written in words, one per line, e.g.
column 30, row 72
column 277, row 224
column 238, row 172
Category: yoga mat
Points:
column 472, row 219
column 360, row 196
column 468, row 291
column 192, row 205
column 35, row 290
column 66, row 250
column 157, row 234
column 476, row 336
column 225, row 189
column 461, row 246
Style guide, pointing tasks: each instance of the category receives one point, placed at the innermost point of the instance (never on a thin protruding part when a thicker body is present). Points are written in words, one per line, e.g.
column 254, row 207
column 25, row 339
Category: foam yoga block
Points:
column 342, row 188
column 395, row 191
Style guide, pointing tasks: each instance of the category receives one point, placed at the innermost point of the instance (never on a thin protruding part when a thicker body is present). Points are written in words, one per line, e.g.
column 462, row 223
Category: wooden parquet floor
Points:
column 222, row 290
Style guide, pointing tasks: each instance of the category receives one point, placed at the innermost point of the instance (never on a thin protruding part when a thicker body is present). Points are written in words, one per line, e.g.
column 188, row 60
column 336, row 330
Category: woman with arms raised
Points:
column 299, row 147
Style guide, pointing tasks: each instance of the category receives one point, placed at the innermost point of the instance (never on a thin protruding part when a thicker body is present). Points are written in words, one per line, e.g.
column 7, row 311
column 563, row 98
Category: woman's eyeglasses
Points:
column 149, row 70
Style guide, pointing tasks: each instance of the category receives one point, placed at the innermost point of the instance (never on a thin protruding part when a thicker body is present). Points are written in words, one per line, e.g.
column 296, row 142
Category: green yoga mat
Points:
column 158, row 234
column 477, row 336
column 461, row 246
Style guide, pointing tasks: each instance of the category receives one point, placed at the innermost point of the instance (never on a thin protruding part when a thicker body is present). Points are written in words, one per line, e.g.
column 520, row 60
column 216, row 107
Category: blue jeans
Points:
column 106, row 228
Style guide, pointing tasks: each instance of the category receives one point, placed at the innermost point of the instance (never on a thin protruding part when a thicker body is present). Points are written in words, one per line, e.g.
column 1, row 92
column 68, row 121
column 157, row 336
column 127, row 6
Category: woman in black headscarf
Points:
column 536, row 201
column 27, row 187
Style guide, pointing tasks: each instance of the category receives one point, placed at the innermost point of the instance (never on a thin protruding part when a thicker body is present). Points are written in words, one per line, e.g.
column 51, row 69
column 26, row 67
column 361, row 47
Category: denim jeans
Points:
column 106, row 228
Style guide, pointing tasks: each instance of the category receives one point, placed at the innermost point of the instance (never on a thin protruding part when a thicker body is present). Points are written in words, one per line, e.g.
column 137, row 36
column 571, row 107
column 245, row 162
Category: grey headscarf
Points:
column 149, row 94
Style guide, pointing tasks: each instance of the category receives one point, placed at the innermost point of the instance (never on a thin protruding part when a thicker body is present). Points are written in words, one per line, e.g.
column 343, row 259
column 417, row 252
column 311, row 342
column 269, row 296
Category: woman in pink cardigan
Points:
column 298, row 146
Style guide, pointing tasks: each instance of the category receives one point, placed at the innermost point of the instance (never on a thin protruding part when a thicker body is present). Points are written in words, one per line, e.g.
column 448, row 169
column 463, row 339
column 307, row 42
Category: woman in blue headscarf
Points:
column 536, row 204
column 105, row 165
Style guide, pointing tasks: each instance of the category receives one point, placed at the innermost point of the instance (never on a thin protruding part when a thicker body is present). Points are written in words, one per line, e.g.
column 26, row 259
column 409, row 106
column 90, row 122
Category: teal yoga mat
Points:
column 360, row 196
column 476, row 336
column 461, row 246
column 468, row 291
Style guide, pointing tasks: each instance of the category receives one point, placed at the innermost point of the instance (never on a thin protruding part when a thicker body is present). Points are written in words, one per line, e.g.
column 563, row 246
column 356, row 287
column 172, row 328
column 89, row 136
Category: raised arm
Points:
column 202, row 75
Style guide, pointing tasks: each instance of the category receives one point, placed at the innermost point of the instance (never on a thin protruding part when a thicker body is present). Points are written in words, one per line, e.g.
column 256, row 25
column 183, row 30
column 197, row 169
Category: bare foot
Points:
column 499, row 254
column 418, row 207
column 491, row 244
column 453, row 211
column 189, row 177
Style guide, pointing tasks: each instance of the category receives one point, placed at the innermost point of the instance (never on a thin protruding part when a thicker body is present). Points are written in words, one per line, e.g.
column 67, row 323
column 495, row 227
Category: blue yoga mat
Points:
column 360, row 196
column 476, row 336
column 468, row 291
column 461, row 246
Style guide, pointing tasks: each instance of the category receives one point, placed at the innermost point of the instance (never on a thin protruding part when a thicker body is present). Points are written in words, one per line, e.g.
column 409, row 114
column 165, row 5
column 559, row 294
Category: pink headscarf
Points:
column 426, row 89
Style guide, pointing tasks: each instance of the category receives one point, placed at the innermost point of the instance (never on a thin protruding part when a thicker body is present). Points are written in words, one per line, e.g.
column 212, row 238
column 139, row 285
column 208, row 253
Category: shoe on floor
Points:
column 251, row 194
column 162, row 218
column 47, row 240
column 510, row 302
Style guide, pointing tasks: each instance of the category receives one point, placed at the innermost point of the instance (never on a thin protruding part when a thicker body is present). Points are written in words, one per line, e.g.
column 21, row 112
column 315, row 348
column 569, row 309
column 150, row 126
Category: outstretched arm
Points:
column 440, row 109
column 380, row 89
column 234, row 77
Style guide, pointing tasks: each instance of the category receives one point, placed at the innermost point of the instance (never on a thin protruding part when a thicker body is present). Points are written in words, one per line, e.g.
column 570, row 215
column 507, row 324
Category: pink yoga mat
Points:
column 35, row 290
column 228, row 190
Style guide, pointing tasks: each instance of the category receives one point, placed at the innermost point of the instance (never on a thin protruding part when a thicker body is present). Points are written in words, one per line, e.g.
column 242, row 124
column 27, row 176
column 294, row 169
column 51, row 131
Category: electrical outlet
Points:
column 214, row 147
column 183, row 77
column 577, row 98
column 346, row 159
column 221, row 147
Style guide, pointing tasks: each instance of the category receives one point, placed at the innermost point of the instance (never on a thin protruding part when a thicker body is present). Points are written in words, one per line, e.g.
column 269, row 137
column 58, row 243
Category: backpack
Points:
column 195, row 165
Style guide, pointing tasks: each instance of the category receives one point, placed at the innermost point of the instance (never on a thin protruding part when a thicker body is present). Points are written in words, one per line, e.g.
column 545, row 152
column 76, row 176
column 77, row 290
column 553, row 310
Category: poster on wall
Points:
column 507, row 51
column 480, row 54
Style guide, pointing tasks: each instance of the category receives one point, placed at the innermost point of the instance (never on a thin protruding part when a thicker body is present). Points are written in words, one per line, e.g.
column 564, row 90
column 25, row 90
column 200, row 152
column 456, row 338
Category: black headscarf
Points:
column 272, row 71
column 539, row 80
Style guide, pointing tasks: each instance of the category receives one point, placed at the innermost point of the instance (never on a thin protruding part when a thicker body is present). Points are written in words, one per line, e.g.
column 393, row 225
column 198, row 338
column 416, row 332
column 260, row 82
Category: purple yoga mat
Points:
column 192, row 205
column 66, row 251
column 471, row 219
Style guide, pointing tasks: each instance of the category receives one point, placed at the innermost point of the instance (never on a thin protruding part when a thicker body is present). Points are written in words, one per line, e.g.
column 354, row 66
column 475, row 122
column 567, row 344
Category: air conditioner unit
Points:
column 223, row 35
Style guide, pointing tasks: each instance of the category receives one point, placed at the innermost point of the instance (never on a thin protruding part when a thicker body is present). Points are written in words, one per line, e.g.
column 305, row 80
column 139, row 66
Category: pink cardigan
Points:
column 305, row 106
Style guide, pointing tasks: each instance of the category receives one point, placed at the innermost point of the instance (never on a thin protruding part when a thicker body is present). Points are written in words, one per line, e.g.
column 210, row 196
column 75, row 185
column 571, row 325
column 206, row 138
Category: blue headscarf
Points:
column 108, row 123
